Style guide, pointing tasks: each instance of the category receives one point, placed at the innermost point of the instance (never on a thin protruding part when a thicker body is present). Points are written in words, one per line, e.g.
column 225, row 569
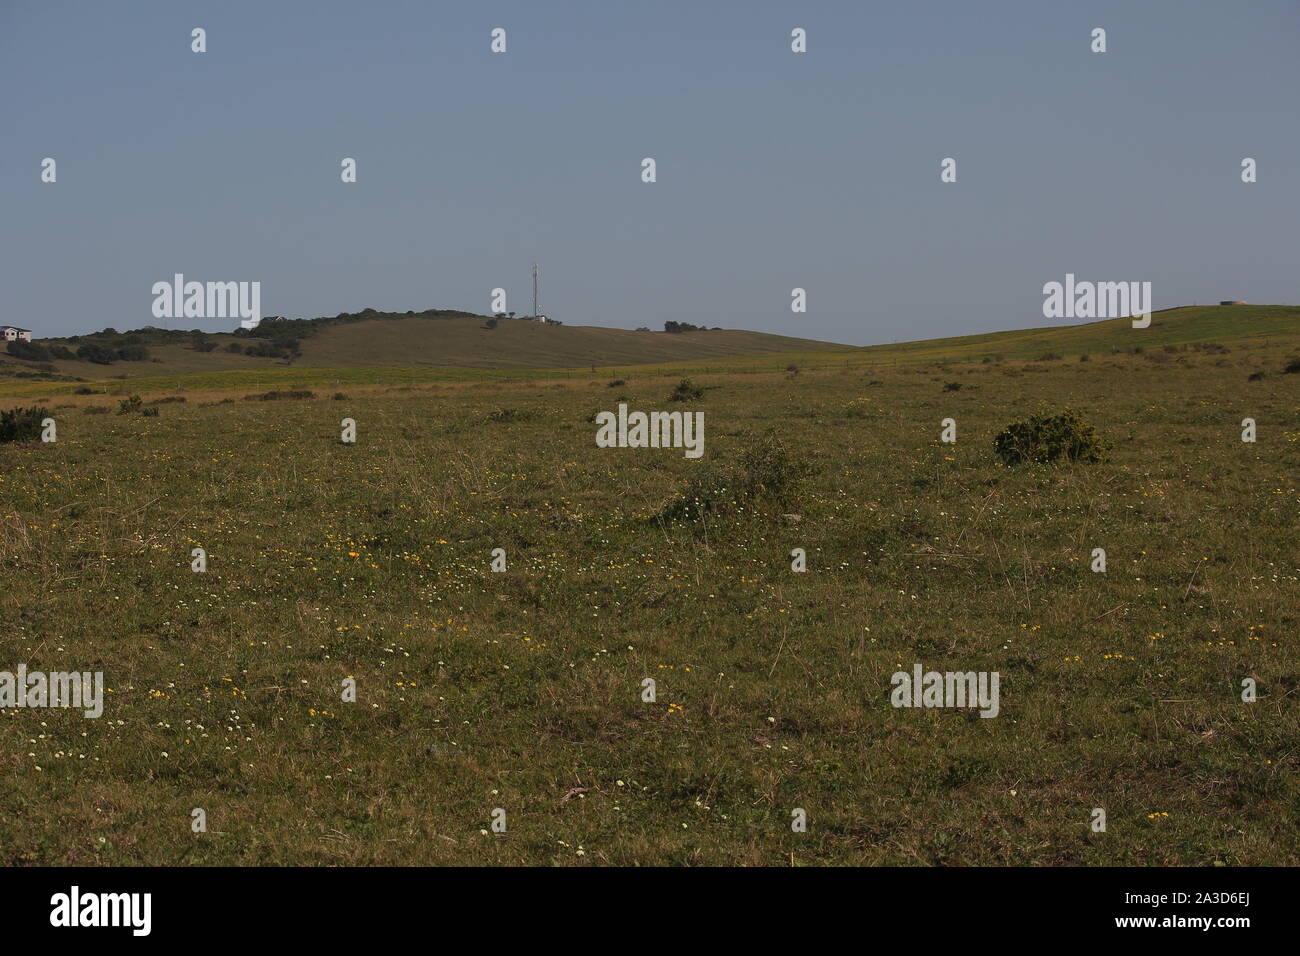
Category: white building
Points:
column 12, row 333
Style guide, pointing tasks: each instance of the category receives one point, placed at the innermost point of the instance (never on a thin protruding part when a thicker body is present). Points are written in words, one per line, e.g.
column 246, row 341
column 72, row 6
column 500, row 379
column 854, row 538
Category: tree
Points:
column 20, row 348
column 97, row 354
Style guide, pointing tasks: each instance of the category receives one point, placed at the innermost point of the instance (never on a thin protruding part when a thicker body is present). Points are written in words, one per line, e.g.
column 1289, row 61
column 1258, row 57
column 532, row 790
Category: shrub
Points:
column 168, row 400
column 1049, row 357
column 151, row 412
column 1085, row 357
column 1048, row 437
column 278, row 396
column 1292, row 367
column 509, row 415
column 952, row 386
column 235, row 348
column 1255, row 376
column 21, row 424
column 97, row 354
column 21, row 348
column 617, row 383
column 686, row 391
column 340, row 397
column 128, row 405
column 84, row 391
column 764, row 470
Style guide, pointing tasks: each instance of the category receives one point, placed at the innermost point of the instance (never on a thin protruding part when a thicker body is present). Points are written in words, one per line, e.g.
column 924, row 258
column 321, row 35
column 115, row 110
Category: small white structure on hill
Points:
column 12, row 333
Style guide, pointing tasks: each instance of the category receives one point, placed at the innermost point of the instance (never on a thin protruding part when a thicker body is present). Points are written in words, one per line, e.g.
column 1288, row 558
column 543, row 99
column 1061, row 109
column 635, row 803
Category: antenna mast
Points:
column 535, row 312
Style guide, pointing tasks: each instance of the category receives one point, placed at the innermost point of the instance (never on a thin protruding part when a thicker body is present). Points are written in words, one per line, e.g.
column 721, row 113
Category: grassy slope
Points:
column 516, row 344
column 1224, row 324
column 480, row 690
column 408, row 351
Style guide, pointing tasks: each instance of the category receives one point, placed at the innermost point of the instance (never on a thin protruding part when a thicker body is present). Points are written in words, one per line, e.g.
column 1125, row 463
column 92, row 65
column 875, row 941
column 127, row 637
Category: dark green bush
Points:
column 21, row 424
column 764, row 470
column 21, row 348
column 686, row 391
column 280, row 396
column 128, row 405
column 97, row 354
column 1047, row 438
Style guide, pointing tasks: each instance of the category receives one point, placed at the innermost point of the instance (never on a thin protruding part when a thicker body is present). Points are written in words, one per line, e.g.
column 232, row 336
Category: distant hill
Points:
column 518, row 344
column 386, row 340
column 1185, row 325
column 462, row 346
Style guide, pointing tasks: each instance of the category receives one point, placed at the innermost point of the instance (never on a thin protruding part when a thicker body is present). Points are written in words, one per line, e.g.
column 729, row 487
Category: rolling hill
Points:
column 384, row 340
column 401, row 342
column 390, row 348
column 1185, row 325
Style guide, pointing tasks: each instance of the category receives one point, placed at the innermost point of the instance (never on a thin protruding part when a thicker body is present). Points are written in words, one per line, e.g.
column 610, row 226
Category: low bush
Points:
column 1045, row 438
column 21, row 424
column 686, row 391
column 765, row 470
column 280, row 396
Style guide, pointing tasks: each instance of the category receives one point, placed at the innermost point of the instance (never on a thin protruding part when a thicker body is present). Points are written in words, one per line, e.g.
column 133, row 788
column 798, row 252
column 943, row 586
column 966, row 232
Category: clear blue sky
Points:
column 775, row 169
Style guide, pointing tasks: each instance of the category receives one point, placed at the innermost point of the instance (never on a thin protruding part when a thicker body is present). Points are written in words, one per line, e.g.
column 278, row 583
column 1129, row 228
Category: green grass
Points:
column 522, row 690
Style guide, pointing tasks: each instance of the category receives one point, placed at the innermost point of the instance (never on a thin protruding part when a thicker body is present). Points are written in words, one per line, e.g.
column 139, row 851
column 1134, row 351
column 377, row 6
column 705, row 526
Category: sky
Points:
column 775, row 170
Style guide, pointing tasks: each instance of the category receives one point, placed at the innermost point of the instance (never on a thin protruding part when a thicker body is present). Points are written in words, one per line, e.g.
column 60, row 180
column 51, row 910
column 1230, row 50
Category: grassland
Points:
column 522, row 690
column 409, row 351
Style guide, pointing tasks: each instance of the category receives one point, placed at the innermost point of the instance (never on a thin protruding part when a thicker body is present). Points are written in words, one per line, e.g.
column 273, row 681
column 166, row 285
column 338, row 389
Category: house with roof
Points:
column 12, row 333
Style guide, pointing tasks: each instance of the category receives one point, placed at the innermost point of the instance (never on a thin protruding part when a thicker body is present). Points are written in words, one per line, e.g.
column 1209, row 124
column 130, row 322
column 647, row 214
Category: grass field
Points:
column 522, row 690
